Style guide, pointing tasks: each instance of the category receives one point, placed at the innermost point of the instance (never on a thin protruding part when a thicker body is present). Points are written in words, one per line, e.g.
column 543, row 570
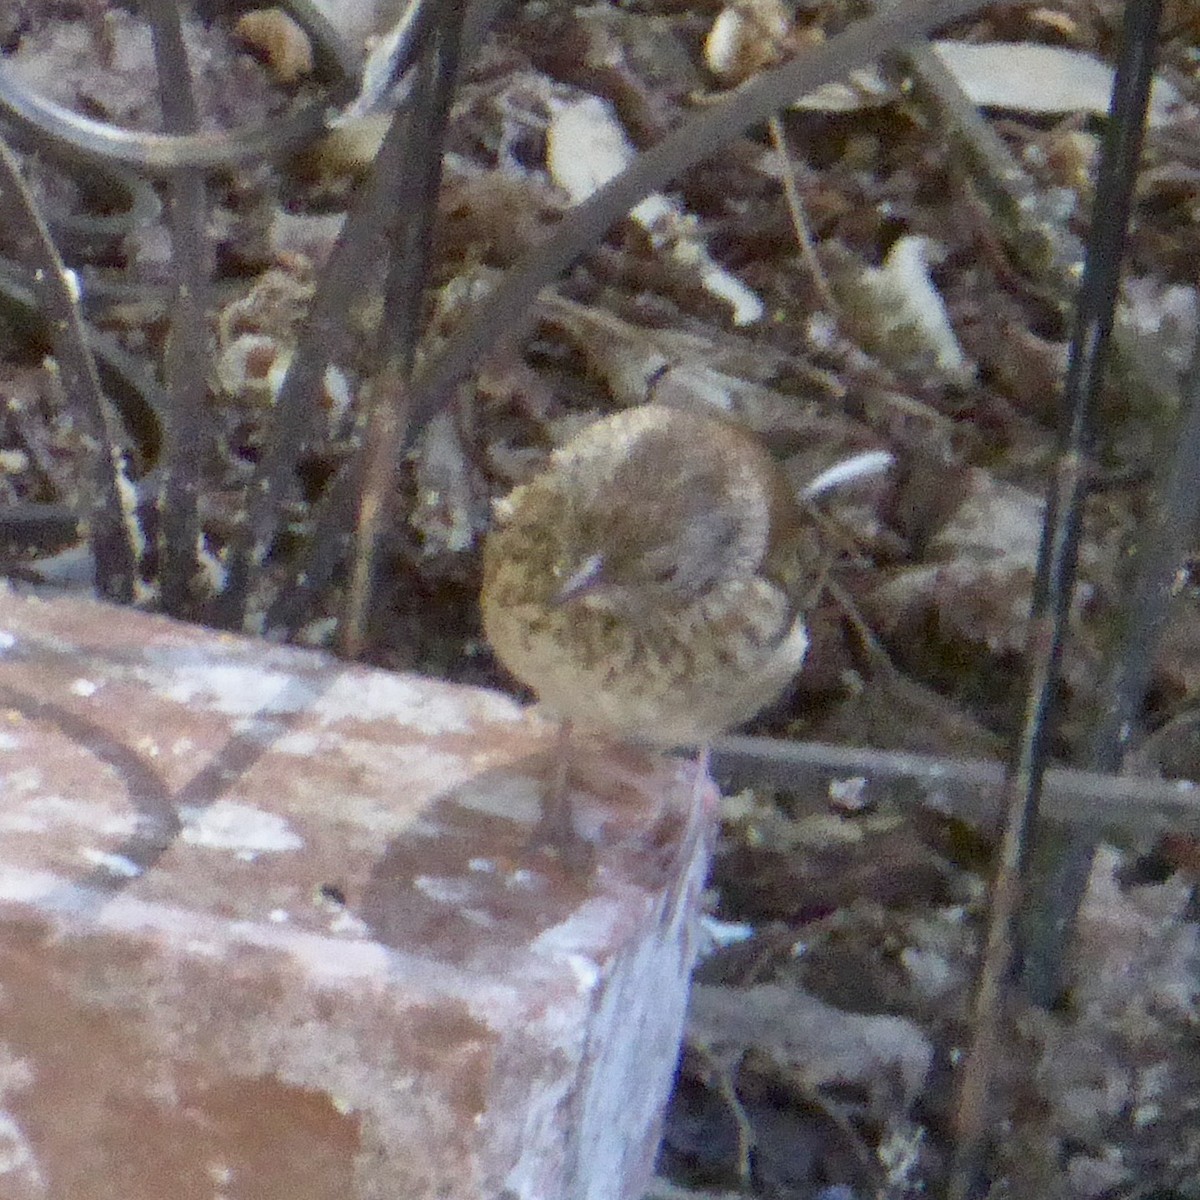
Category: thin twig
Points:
column 717, row 1077
column 791, row 193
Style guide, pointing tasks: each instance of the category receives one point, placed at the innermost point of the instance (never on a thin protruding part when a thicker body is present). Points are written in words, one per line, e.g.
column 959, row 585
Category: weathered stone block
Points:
column 270, row 930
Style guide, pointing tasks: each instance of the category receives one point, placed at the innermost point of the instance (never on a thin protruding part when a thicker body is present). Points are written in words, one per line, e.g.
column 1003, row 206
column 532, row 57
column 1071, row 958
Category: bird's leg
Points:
column 556, row 828
column 558, row 821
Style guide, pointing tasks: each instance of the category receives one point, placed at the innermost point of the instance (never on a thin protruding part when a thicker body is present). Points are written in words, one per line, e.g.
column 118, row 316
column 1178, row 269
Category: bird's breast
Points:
column 671, row 675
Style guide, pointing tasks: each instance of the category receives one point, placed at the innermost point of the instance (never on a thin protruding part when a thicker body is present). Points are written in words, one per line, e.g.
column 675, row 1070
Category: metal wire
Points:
column 110, row 532
column 65, row 133
column 1053, row 589
column 188, row 434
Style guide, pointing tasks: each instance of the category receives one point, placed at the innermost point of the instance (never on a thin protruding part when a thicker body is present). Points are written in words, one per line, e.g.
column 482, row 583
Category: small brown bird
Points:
column 650, row 584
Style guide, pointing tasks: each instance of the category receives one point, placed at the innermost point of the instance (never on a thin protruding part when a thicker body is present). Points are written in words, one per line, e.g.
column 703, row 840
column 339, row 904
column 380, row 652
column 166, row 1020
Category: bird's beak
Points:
column 584, row 579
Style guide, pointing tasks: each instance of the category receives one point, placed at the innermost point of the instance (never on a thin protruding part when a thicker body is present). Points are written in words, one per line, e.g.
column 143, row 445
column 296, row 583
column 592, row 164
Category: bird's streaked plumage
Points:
column 650, row 582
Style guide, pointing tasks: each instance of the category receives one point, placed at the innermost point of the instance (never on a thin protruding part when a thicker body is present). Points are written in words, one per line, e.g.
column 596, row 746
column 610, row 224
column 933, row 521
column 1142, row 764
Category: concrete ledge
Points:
column 269, row 930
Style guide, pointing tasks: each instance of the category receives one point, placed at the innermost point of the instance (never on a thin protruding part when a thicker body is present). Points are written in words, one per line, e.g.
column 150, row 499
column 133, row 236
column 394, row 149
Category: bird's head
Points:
column 659, row 527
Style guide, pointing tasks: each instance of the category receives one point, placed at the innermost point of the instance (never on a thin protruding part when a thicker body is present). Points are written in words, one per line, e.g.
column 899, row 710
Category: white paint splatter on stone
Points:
column 240, row 827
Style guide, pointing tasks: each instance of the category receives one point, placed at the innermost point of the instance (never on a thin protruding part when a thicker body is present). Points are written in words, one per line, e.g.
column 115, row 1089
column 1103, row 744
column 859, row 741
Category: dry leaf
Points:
column 1026, row 77
column 586, row 147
